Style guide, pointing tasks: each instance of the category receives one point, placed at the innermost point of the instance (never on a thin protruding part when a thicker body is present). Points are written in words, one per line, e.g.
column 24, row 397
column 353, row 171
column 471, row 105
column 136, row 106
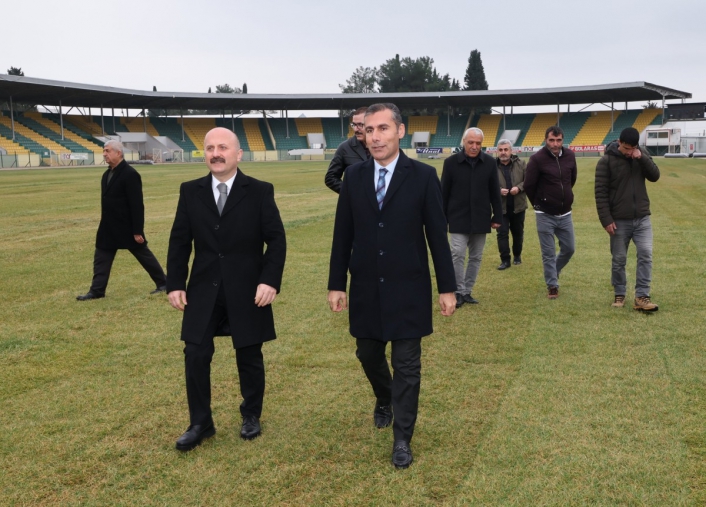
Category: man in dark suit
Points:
column 388, row 211
column 122, row 224
column 228, row 218
column 349, row 152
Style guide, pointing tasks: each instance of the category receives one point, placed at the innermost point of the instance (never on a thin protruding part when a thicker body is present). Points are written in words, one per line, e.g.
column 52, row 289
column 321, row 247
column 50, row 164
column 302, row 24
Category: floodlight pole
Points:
column 12, row 118
column 61, row 120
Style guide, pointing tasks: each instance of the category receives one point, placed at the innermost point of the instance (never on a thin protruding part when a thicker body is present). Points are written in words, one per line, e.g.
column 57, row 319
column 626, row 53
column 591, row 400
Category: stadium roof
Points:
column 27, row 90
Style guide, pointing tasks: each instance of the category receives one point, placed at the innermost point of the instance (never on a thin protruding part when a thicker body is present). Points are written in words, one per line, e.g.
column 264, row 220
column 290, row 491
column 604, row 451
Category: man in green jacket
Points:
column 624, row 211
column 511, row 175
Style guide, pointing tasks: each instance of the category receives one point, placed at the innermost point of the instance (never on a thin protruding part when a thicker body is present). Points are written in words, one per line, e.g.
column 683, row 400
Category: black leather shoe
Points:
column 504, row 265
column 518, row 260
column 251, row 427
column 194, row 436
column 159, row 290
column 382, row 415
column 467, row 298
column 459, row 300
column 401, row 454
column 89, row 295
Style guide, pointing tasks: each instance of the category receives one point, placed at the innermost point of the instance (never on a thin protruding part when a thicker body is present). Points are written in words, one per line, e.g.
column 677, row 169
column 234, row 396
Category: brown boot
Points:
column 644, row 304
column 619, row 301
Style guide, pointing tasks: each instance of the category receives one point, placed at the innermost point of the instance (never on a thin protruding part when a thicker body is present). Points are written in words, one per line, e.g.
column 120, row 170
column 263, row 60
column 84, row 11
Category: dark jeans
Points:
column 401, row 390
column 197, row 363
column 103, row 262
column 512, row 223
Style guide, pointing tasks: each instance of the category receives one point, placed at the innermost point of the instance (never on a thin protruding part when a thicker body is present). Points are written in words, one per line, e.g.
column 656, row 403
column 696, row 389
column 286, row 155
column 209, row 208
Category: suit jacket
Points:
column 228, row 251
column 348, row 153
column 122, row 209
column 471, row 193
column 386, row 250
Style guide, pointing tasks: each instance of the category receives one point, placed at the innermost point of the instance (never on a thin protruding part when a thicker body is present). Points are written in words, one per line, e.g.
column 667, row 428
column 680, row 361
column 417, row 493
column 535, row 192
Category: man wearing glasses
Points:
column 349, row 152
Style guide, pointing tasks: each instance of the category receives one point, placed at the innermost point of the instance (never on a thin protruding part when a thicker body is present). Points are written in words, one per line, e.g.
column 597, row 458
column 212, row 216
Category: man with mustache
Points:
column 227, row 218
column 511, row 174
column 349, row 152
column 389, row 210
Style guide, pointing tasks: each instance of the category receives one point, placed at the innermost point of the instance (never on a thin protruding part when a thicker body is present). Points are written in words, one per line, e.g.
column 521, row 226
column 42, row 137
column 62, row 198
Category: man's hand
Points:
column 495, row 226
column 611, row 228
column 514, row 191
column 337, row 300
column 177, row 298
column 265, row 295
column 139, row 238
column 636, row 153
column 447, row 302
column 504, row 191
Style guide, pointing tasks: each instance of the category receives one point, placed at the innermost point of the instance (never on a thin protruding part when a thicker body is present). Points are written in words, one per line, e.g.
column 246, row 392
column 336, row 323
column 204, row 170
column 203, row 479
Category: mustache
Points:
column 218, row 159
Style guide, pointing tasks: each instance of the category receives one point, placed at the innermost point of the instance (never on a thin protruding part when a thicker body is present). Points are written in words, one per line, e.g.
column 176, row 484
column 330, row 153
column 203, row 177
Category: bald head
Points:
column 222, row 152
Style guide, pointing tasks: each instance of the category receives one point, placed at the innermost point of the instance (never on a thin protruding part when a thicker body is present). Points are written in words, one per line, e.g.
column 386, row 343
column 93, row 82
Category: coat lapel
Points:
column 398, row 176
column 367, row 173
column 237, row 191
column 205, row 193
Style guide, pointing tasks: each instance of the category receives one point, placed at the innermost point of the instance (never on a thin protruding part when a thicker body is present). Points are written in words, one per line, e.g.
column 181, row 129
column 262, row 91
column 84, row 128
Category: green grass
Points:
column 525, row 401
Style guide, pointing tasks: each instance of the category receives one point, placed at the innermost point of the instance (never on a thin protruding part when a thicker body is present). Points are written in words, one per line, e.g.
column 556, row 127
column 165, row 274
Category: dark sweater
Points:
column 549, row 180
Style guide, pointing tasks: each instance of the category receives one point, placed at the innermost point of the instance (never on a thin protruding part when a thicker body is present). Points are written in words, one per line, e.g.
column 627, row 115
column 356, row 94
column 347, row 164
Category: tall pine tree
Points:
column 475, row 77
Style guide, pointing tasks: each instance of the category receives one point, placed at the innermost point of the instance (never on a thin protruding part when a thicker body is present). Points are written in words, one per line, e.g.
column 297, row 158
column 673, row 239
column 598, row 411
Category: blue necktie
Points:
column 380, row 189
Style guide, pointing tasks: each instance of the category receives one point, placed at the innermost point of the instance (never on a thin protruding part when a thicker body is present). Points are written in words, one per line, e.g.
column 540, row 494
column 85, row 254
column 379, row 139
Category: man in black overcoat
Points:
column 122, row 224
column 227, row 218
column 389, row 210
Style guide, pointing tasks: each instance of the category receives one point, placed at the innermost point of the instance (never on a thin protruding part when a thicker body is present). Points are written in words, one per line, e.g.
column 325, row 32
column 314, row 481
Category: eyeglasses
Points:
column 357, row 125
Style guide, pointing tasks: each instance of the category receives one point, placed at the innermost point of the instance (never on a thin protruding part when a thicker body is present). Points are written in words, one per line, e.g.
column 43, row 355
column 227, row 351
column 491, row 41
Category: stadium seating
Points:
column 10, row 146
column 52, row 131
column 237, row 123
column 73, row 132
column 22, row 140
column 169, row 127
column 540, row 124
column 626, row 119
column 295, row 139
column 596, row 128
column 84, row 123
column 332, row 131
column 489, row 124
column 31, row 140
column 137, row 124
column 443, row 138
column 647, row 117
column 197, row 128
column 422, row 124
column 253, row 134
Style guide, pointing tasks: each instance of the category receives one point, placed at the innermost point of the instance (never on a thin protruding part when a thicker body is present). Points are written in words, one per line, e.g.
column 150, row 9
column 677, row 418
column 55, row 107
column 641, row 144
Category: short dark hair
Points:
column 630, row 136
column 376, row 108
column 555, row 130
column 360, row 110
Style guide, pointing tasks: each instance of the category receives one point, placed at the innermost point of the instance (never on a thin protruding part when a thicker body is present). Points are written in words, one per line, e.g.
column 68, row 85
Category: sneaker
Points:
column 619, row 301
column 644, row 304
column 553, row 292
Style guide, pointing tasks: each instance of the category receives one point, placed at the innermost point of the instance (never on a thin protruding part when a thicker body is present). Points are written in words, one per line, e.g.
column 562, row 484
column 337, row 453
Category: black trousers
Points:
column 401, row 390
column 103, row 262
column 197, row 363
column 512, row 223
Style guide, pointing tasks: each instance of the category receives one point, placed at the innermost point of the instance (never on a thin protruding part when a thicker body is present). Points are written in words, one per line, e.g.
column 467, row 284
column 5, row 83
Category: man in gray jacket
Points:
column 511, row 173
column 349, row 152
column 624, row 211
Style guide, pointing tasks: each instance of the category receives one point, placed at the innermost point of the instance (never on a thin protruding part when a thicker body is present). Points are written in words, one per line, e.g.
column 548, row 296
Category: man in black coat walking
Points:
column 227, row 219
column 122, row 223
column 388, row 211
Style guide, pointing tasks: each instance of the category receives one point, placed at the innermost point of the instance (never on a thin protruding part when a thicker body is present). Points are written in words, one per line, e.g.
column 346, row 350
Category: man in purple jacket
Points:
column 550, row 177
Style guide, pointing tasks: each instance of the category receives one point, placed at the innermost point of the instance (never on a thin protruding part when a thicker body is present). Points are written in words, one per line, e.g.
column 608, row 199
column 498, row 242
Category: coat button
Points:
column 382, row 280
column 381, row 224
column 216, row 227
column 215, row 284
column 381, row 252
column 220, row 255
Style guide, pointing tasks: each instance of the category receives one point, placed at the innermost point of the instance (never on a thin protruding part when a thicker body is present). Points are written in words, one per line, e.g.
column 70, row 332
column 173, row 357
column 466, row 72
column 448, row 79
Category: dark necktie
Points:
column 380, row 189
column 223, row 189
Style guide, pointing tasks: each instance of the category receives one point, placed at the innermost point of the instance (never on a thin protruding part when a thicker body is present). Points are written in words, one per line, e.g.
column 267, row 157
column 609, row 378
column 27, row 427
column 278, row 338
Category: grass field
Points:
column 524, row 401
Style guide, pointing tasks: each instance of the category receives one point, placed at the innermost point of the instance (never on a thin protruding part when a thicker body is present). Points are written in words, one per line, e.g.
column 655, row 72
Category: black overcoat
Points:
column 386, row 250
column 229, row 249
column 122, row 209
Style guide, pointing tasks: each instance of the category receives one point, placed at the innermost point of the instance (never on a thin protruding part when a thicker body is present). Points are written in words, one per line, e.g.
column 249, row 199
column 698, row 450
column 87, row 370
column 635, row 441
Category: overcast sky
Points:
column 312, row 46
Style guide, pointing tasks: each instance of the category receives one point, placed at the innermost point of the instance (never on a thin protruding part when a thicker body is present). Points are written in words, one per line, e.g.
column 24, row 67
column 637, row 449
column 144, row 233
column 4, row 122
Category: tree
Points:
column 363, row 80
column 15, row 71
column 226, row 88
column 650, row 105
column 475, row 74
column 154, row 88
column 245, row 88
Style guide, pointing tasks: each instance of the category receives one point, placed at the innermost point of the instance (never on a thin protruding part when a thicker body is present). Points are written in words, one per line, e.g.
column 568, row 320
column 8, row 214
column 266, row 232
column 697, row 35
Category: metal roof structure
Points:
column 28, row 90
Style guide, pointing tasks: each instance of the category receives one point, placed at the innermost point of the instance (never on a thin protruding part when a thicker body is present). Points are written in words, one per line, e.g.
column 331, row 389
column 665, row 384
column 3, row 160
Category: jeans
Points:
column 640, row 231
column 562, row 227
column 475, row 244
column 512, row 223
